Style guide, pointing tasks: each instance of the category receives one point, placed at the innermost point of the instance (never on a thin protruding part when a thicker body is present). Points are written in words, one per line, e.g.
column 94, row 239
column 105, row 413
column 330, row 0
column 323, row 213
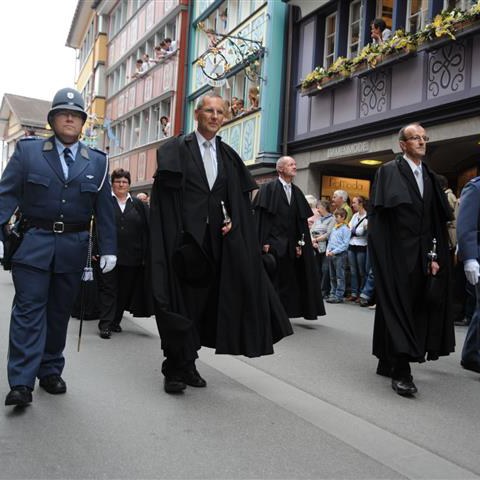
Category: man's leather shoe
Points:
column 19, row 395
column 473, row 366
column 105, row 333
column 404, row 386
column 53, row 384
column 116, row 328
column 193, row 378
column 174, row 384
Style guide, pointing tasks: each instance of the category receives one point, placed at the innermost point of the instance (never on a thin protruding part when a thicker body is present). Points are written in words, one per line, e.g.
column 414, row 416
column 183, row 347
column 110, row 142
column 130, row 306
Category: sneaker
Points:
column 372, row 307
column 336, row 300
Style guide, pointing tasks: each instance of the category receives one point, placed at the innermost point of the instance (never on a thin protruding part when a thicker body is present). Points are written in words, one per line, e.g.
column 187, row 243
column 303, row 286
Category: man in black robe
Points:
column 409, row 251
column 209, row 284
column 282, row 213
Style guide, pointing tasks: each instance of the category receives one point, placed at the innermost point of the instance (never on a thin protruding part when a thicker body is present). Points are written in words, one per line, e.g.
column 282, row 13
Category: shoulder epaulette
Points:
column 95, row 149
column 475, row 180
column 28, row 139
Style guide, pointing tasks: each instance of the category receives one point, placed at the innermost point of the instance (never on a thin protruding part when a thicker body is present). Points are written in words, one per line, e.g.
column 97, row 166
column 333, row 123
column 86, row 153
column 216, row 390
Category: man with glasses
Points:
column 57, row 184
column 208, row 281
column 410, row 258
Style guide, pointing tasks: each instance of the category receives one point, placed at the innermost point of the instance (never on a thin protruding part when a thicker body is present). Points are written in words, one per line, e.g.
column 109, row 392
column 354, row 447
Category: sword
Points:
column 86, row 277
column 226, row 216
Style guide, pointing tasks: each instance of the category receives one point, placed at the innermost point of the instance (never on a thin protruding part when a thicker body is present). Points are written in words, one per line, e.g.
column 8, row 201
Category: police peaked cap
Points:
column 67, row 99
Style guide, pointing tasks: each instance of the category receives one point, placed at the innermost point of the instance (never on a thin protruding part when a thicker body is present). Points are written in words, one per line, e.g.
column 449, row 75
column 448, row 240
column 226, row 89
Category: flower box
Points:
column 325, row 83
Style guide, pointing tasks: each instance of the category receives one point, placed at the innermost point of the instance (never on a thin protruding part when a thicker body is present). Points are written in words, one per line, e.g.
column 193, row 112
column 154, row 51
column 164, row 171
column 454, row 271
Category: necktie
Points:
column 288, row 191
column 418, row 178
column 67, row 155
column 210, row 164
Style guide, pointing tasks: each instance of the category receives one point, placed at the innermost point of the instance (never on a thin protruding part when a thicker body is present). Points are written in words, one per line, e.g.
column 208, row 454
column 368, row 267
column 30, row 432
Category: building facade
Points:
column 88, row 36
column 341, row 127
column 237, row 49
column 143, row 106
column 21, row 117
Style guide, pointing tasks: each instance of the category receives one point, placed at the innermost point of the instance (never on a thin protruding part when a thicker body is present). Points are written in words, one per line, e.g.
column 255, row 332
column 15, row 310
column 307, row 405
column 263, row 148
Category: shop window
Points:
column 416, row 15
column 330, row 47
column 354, row 28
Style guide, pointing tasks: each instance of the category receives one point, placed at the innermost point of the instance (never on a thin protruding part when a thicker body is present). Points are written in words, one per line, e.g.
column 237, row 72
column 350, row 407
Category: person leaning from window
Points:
column 379, row 31
column 357, row 249
column 123, row 288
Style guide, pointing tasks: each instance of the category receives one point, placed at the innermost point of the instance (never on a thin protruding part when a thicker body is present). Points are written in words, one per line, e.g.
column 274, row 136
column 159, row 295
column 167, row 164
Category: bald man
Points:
column 282, row 213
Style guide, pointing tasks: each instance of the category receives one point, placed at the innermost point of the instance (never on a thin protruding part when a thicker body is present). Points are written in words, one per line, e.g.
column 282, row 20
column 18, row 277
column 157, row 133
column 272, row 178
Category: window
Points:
column 461, row 4
column 385, row 11
column 354, row 29
column 330, row 32
column 416, row 14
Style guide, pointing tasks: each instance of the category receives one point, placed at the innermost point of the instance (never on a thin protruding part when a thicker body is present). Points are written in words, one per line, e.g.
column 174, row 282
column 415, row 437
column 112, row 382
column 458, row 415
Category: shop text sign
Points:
column 347, row 150
column 352, row 186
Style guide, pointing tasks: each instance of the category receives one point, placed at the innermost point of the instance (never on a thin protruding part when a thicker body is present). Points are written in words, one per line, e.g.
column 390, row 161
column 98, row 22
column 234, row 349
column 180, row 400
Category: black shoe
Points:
column 174, row 384
column 116, row 328
column 404, row 386
column 53, row 384
column 363, row 302
column 19, row 395
column 473, row 366
column 105, row 333
column 193, row 378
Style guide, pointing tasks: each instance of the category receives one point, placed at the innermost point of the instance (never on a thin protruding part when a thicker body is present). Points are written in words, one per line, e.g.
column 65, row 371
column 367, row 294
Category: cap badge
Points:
column 70, row 95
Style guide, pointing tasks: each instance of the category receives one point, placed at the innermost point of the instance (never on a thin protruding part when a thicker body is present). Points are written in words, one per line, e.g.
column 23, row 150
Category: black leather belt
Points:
column 56, row 227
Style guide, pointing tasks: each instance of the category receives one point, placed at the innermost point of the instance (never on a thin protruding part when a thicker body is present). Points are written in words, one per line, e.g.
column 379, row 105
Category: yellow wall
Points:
column 100, row 48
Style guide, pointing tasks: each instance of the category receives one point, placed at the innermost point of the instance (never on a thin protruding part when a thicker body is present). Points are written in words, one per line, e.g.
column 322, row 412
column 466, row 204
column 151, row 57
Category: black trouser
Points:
column 116, row 292
column 202, row 306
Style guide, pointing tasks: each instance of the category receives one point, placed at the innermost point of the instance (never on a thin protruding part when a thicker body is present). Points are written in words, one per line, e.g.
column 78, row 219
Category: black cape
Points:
column 266, row 202
column 394, row 330
column 250, row 317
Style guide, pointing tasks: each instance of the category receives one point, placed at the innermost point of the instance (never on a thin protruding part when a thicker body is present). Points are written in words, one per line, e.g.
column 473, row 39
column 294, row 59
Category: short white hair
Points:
column 312, row 201
column 341, row 193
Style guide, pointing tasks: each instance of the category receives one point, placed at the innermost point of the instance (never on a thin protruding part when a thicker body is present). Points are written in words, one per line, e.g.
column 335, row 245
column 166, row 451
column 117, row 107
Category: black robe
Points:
column 249, row 315
column 290, row 224
column 401, row 232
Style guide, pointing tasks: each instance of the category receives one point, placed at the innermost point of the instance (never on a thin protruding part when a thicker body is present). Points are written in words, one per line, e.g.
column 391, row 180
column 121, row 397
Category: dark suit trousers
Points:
column 116, row 292
column 38, row 327
column 417, row 283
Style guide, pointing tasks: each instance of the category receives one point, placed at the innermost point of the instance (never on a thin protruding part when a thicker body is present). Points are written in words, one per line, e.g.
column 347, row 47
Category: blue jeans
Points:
column 471, row 347
column 357, row 262
column 369, row 288
column 336, row 265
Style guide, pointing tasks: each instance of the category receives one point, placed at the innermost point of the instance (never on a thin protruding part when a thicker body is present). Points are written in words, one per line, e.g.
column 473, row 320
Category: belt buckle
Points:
column 58, row 227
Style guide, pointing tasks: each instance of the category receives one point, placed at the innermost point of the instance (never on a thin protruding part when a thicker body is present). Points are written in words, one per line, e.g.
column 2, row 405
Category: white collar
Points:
column 284, row 183
column 413, row 165
column 129, row 197
column 201, row 140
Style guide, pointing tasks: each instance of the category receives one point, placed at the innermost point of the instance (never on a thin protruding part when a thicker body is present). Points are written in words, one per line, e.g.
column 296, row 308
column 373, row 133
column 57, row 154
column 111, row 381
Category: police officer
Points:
column 57, row 184
column 468, row 226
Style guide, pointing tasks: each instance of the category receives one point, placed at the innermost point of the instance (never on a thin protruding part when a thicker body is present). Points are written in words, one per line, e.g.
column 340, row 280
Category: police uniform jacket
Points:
column 34, row 181
column 468, row 221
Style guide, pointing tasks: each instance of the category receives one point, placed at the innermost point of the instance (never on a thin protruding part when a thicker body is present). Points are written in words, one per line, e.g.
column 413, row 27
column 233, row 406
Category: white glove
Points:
column 472, row 271
column 107, row 263
column 1, row 250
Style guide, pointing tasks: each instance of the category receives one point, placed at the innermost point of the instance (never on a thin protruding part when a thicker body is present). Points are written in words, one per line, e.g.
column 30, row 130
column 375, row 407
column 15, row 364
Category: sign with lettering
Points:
column 347, row 150
column 352, row 186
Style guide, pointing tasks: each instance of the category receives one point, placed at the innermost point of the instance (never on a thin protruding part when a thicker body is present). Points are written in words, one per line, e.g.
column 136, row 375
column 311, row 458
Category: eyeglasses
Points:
column 211, row 111
column 417, row 138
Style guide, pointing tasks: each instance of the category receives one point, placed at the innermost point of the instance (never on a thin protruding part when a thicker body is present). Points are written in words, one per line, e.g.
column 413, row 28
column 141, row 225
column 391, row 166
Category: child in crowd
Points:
column 337, row 254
